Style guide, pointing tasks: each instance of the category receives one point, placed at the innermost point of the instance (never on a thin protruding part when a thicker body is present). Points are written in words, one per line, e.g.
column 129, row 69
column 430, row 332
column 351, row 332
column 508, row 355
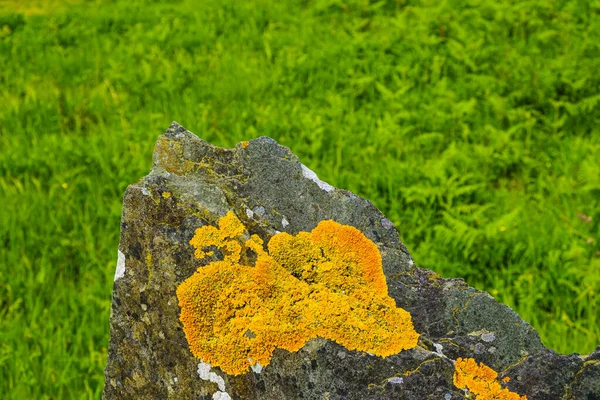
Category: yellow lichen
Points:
column 327, row 283
column 244, row 144
column 481, row 380
column 166, row 195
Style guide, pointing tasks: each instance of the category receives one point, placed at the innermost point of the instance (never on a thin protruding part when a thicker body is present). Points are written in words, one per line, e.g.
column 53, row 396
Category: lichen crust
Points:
column 326, row 283
column 482, row 381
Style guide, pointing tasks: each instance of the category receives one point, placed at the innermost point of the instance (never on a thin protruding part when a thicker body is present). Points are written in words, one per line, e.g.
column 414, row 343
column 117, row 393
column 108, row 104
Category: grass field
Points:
column 473, row 125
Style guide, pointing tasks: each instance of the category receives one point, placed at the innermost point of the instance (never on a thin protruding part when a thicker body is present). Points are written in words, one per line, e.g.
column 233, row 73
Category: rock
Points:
column 462, row 335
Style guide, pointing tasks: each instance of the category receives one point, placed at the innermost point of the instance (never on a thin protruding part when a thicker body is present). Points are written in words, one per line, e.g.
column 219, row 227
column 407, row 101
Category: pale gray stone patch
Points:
column 249, row 213
column 396, row 380
column 310, row 174
column 221, row 396
column 257, row 368
column 205, row 374
column 386, row 223
column 488, row 337
column 479, row 348
column 284, row 222
column 120, row 271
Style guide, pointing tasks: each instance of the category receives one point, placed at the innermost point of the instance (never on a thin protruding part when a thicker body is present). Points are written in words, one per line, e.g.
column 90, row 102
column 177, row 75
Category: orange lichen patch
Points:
column 244, row 144
column 327, row 283
column 222, row 238
column 481, row 380
column 338, row 256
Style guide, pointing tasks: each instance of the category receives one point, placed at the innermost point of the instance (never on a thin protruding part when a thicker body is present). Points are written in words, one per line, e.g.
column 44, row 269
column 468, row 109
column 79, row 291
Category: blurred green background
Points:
column 473, row 125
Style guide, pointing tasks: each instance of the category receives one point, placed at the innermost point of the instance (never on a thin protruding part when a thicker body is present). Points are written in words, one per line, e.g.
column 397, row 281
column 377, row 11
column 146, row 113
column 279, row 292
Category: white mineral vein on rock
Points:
column 205, row 374
column 310, row 174
column 120, row 271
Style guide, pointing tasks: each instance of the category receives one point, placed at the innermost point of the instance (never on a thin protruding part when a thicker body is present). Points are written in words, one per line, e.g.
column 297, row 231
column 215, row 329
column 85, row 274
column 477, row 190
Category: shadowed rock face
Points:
column 193, row 184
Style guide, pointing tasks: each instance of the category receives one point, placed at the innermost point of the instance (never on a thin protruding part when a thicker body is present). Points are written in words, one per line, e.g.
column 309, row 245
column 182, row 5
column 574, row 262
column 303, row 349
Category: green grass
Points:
column 474, row 126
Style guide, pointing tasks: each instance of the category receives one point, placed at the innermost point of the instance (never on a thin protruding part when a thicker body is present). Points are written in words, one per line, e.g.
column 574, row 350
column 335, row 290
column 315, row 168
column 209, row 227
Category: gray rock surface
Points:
column 192, row 184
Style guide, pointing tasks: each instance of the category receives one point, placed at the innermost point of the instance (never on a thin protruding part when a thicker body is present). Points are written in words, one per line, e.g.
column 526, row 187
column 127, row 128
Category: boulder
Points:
column 241, row 275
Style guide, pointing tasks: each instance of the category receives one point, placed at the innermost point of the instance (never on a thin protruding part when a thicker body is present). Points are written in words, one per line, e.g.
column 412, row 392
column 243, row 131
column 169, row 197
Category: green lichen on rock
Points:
column 193, row 184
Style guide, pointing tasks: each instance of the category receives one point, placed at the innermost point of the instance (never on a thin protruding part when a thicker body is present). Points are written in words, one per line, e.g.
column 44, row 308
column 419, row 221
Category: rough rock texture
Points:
column 193, row 184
